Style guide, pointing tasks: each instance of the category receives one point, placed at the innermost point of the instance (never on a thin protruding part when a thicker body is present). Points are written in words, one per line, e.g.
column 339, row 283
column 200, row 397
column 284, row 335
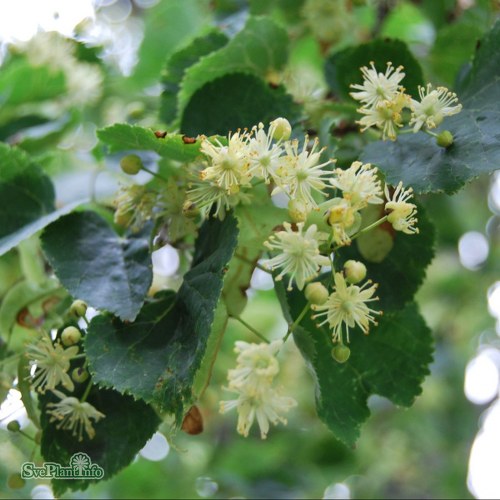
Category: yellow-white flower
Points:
column 434, row 105
column 73, row 415
column 386, row 116
column 300, row 173
column 347, row 307
column 228, row 165
column 263, row 404
column 378, row 87
column 359, row 184
column 400, row 212
column 257, row 363
column 342, row 216
column 299, row 253
column 52, row 364
column 264, row 156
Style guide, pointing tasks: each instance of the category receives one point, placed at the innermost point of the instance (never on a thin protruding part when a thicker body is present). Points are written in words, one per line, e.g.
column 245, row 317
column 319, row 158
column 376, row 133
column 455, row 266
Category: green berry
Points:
column 445, row 139
column 70, row 336
column 341, row 353
column 13, row 426
column 78, row 308
column 316, row 293
column 15, row 481
column 79, row 375
column 131, row 164
column 354, row 271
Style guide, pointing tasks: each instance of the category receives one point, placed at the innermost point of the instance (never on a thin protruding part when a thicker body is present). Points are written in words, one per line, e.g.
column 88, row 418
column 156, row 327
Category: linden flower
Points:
column 299, row 253
column 73, row 415
column 434, row 105
column 264, row 156
column 264, row 404
column 300, row 173
column 359, row 184
column 342, row 217
column 378, row 87
column 228, row 166
column 256, row 363
column 400, row 211
column 347, row 305
column 52, row 364
column 386, row 116
column 134, row 206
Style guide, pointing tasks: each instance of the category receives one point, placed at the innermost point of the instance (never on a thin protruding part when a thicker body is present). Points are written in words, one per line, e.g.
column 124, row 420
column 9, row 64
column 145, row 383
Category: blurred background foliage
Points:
column 422, row 452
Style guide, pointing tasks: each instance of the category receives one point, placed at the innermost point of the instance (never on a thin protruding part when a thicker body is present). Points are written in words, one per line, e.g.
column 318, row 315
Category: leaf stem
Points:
column 294, row 325
column 251, row 328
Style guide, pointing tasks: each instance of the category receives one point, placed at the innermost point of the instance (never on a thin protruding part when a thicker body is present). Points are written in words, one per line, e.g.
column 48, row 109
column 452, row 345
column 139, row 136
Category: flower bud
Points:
column 341, row 353
column 14, row 426
column 354, row 271
column 131, row 164
column 78, row 308
column 297, row 210
column 79, row 375
column 70, row 336
column 281, row 129
column 316, row 293
column 444, row 139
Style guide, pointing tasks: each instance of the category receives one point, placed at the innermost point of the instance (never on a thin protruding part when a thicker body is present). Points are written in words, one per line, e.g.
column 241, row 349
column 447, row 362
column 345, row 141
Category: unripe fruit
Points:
column 316, row 293
column 78, row 308
column 131, row 164
column 15, row 481
column 297, row 211
column 14, row 426
column 341, row 353
column 354, row 271
column 79, row 375
column 70, row 336
column 282, row 129
column 445, row 139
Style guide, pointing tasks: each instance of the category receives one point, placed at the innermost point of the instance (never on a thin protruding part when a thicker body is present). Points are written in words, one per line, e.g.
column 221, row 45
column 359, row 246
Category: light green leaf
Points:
column 156, row 358
column 96, row 265
column 260, row 48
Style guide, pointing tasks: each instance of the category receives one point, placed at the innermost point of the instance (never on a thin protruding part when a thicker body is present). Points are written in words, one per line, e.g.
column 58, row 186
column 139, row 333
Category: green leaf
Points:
column 96, row 265
column 26, row 192
column 343, row 68
column 124, row 137
column 402, row 271
column 419, row 162
column 391, row 361
column 13, row 239
column 177, row 65
column 168, row 25
column 235, row 101
column 157, row 357
column 119, row 436
column 260, row 48
column 21, row 83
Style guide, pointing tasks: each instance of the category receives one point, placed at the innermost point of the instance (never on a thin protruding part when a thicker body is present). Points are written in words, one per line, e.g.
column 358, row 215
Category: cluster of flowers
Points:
column 252, row 380
column 383, row 100
column 50, row 362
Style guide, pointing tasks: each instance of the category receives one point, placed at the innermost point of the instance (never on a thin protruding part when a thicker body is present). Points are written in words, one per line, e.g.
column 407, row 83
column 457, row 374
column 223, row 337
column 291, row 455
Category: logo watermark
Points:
column 80, row 467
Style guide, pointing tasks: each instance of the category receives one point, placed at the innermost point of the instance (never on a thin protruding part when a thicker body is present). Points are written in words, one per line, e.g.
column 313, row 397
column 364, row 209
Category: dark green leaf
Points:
column 235, row 101
column 124, row 137
column 26, row 192
column 96, row 265
column 157, row 357
column 343, row 68
column 419, row 162
column 260, row 48
column 124, row 430
column 177, row 65
column 391, row 361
